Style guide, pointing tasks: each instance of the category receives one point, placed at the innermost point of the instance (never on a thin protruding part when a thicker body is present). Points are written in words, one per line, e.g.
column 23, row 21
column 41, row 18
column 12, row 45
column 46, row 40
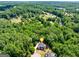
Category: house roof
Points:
column 41, row 45
column 4, row 55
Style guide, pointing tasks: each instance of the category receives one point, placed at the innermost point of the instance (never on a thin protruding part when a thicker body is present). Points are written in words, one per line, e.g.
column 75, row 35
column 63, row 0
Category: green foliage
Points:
column 61, row 33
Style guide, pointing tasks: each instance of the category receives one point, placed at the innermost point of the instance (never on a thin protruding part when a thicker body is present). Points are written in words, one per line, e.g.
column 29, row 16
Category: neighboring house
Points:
column 4, row 55
column 50, row 54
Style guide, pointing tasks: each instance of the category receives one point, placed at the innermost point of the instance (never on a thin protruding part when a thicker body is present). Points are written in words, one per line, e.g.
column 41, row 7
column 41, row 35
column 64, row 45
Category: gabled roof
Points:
column 41, row 45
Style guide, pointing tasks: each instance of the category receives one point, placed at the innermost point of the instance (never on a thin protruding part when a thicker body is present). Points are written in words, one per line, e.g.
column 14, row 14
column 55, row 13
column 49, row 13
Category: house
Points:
column 41, row 46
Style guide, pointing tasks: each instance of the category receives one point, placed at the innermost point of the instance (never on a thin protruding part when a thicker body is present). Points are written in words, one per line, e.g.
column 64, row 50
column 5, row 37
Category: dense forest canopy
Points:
column 23, row 23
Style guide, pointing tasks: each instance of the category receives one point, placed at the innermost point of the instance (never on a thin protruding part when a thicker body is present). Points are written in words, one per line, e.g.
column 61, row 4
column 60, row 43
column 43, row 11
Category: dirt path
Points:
column 35, row 54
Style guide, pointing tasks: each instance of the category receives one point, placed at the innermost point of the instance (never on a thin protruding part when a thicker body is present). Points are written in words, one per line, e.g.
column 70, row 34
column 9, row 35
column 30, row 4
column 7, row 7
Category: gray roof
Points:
column 50, row 54
column 4, row 55
column 41, row 45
